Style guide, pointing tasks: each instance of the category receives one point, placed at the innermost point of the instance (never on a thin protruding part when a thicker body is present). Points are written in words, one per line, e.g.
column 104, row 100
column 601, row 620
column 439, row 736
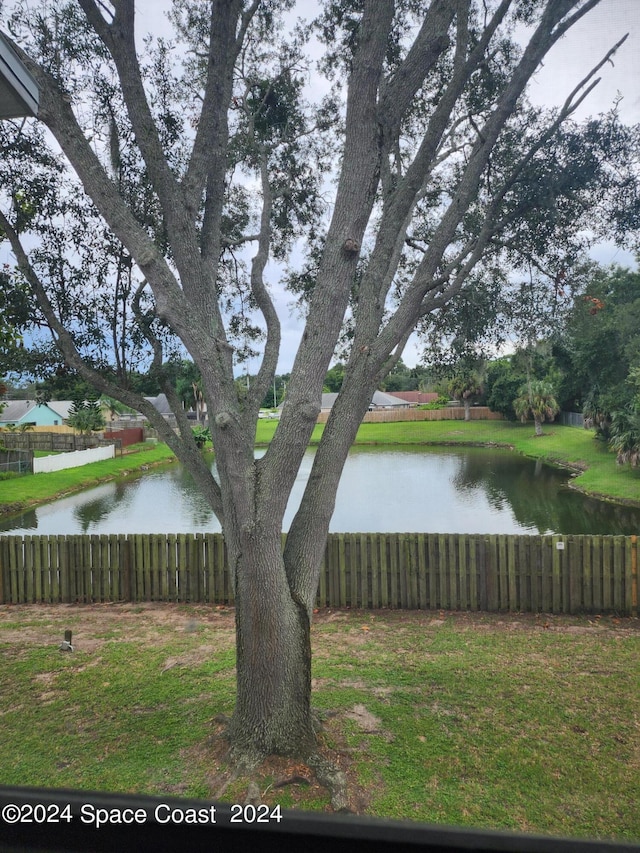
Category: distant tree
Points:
column 466, row 385
column 334, row 378
column 502, row 385
column 536, row 401
column 275, row 395
column 15, row 314
column 112, row 407
column 86, row 415
column 599, row 345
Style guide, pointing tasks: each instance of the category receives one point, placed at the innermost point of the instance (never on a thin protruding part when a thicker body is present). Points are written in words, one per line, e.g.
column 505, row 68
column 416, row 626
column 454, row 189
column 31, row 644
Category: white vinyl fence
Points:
column 74, row 459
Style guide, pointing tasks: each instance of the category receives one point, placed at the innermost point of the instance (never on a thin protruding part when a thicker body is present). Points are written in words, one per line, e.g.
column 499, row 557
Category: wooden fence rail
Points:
column 551, row 574
column 450, row 413
column 61, row 442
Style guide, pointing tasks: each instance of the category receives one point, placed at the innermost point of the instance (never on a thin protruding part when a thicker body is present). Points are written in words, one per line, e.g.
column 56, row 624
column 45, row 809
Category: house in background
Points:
column 161, row 404
column 380, row 400
column 31, row 412
column 416, row 398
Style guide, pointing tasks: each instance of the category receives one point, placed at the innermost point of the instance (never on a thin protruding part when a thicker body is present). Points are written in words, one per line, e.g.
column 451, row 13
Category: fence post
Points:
column 126, row 569
column 3, row 561
column 634, row 576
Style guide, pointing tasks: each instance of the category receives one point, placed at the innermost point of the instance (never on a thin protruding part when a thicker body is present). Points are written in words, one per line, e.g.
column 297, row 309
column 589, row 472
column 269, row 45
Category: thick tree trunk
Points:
column 467, row 409
column 538, row 425
column 273, row 642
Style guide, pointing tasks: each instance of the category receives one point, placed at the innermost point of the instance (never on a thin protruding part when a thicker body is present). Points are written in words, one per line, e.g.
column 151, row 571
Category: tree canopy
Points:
column 143, row 206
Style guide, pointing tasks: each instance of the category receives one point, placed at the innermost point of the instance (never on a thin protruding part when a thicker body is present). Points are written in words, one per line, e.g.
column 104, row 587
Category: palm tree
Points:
column 465, row 386
column 536, row 400
column 625, row 435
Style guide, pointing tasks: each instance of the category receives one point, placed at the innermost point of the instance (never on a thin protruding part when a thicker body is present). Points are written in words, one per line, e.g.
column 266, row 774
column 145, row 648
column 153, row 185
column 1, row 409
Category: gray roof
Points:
column 380, row 400
column 61, row 407
column 160, row 404
column 15, row 410
column 386, row 401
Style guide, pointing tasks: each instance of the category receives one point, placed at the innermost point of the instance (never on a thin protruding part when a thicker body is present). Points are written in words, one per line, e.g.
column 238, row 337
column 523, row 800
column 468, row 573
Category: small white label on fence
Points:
column 560, row 546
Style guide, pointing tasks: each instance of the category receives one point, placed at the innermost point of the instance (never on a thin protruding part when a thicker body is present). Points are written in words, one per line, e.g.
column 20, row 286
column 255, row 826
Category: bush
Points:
column 201, row 435
column 435, row 404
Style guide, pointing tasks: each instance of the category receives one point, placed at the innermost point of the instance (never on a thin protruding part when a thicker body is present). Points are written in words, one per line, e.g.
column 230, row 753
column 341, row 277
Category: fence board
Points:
column 492, row 568
column 411, row 546
column 354, row 574
column 597, row 570
column 181, row 575
column 434, row 601
column 607, row 567
column 618, row 573
column 587, row 577
column 573, row 556
column 445, row 588
column 384, row 589
column 511, row 568
column 436, row 571
column 374, row 554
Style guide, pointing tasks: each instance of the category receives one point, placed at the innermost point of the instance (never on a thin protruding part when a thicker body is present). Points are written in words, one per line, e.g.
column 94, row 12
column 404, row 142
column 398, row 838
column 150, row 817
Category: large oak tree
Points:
column 422, row 175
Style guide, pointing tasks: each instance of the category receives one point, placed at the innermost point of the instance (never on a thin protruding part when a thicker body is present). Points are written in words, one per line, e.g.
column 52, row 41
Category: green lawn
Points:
column 20, row 492
column 494, row 721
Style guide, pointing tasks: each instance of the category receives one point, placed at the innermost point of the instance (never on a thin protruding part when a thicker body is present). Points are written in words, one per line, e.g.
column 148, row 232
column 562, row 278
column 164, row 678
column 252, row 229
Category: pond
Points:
column 434, row 490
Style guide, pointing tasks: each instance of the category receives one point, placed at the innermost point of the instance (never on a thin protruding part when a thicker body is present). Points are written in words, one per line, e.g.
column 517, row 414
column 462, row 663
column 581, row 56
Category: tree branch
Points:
column 397, row 93
column 119, row 39
column 208, row 161
column 382, row 266
column 354, row 201
column 64, row 341
column 543, row 38
column 263, row 299
column 57, row 114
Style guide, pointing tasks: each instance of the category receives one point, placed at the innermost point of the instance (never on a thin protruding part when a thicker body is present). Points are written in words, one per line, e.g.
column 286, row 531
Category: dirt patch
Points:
column 92, row 625
column 191, row 658
column 152, row 624
column 367, row 722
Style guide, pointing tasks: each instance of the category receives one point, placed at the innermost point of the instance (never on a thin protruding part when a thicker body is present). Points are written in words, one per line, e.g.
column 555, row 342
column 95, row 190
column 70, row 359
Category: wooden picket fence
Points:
column 550, row 574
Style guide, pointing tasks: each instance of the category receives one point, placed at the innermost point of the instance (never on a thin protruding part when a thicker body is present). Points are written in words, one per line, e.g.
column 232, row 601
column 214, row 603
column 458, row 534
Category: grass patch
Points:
column 502, row 722
column 33, row 489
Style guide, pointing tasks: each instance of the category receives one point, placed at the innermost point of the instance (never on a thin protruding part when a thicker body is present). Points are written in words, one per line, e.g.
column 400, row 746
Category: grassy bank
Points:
column 22, row 492
column 491, row 721
column 596, row 468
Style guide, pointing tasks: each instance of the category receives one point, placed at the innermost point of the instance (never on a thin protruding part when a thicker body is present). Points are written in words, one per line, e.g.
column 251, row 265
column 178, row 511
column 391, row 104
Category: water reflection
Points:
column 540, row 498
column 443, row 490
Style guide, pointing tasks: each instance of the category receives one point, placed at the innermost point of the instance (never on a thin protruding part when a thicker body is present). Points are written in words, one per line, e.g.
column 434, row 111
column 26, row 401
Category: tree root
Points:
column 334, row 780
column 243, row 764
